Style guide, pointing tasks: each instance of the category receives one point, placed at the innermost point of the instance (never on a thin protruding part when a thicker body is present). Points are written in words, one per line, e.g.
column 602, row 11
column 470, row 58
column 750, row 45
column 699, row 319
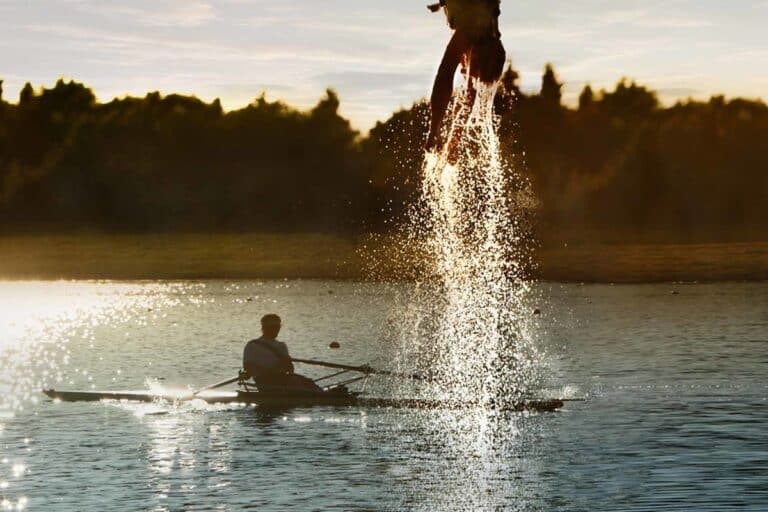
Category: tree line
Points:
column 618, row 163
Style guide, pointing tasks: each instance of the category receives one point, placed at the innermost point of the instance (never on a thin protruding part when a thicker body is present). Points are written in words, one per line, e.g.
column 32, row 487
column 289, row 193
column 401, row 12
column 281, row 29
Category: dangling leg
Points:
column 462, row 109
column 482, row 62
column 443, row 86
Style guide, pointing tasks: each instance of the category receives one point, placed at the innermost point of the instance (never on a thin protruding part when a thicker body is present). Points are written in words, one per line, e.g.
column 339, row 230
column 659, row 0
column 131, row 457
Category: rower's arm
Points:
column 286, row 362
column 246, row 360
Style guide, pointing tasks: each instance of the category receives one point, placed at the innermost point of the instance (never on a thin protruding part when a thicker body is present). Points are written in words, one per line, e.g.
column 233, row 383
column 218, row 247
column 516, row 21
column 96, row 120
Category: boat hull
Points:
column 282, row 400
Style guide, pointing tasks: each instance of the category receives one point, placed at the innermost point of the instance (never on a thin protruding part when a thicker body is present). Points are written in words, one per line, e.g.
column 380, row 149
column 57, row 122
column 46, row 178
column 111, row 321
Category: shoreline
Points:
column 320, row 256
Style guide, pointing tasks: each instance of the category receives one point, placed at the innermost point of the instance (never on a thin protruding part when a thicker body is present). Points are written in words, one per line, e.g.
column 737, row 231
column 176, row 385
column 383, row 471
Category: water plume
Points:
column 468, row 317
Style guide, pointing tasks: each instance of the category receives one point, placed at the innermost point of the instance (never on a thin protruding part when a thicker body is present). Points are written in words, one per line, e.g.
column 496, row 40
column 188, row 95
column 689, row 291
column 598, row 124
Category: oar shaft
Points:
column 361, row 369
column 217, row 385
column 331, row 365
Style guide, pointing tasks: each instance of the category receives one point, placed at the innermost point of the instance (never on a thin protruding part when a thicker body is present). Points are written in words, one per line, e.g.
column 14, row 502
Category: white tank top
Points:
column 258, row 358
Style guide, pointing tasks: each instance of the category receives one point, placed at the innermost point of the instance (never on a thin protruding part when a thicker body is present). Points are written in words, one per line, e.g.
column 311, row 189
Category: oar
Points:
column 217, row 385
column 367, row 370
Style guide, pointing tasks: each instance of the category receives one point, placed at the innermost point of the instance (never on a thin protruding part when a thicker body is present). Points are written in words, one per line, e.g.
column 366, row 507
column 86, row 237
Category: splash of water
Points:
column 467, row 318
column 469, row 315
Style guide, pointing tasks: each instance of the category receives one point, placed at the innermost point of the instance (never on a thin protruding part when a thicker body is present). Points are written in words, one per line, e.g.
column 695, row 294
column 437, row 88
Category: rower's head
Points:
column 270, row 325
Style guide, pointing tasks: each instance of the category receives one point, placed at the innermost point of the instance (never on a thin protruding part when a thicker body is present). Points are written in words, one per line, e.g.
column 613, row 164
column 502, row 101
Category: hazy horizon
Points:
column 379, row 57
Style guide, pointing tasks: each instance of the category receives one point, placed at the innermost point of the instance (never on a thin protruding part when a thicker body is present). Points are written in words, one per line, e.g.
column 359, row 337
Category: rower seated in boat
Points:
column 267, row 361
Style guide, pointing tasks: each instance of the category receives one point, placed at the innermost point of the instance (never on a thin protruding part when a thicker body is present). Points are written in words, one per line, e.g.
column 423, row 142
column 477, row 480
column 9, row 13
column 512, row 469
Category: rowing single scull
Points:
column 334, row 395
column 289, row 400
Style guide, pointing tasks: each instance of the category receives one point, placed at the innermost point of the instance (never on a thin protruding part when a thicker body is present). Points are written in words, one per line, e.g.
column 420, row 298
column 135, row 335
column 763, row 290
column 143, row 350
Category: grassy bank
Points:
column 177, row 256
column 191, row 256
column 656, row 262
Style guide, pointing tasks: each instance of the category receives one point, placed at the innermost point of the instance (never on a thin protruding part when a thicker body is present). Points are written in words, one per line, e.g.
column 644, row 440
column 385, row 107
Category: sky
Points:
column 380, row 55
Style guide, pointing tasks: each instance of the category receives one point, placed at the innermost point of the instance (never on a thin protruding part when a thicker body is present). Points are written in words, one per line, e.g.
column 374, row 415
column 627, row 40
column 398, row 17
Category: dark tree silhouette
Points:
column 26, row 94
column 551, row 88
column 586, row 98
column 619, row 165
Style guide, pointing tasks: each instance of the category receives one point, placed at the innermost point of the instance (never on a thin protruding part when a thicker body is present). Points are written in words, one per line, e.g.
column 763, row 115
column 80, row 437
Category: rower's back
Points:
column 265, row 356
column 268, row 362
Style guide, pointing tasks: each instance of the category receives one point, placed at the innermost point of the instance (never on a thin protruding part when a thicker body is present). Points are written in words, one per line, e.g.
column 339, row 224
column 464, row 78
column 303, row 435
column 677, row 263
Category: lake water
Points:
column 676, row 414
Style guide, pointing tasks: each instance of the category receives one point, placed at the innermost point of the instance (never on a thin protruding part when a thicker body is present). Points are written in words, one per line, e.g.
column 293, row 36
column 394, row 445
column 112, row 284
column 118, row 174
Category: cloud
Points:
column 160, row 13
column 166, row 49
column 378, row 55
column 678, row 92
column 548, row 33
column 748, row 54
column 364, row 81
column 643, row 18
column 129, row 44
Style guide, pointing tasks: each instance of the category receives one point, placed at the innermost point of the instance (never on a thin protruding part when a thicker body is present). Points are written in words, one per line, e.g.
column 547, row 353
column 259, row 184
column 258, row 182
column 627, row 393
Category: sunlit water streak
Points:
column 38, row 321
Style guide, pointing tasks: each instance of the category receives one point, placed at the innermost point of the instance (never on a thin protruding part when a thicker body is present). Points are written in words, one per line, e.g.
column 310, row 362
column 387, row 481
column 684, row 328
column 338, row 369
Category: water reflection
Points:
column 475, row 461
column 267, row 416
column 189, row 453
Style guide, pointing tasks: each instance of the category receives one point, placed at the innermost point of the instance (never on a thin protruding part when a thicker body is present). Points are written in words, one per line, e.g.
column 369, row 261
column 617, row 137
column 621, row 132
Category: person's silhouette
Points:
column 476, row 44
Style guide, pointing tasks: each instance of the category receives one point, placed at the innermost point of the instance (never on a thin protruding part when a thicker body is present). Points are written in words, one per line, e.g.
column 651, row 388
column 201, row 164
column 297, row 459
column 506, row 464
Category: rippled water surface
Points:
column 675, row 418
